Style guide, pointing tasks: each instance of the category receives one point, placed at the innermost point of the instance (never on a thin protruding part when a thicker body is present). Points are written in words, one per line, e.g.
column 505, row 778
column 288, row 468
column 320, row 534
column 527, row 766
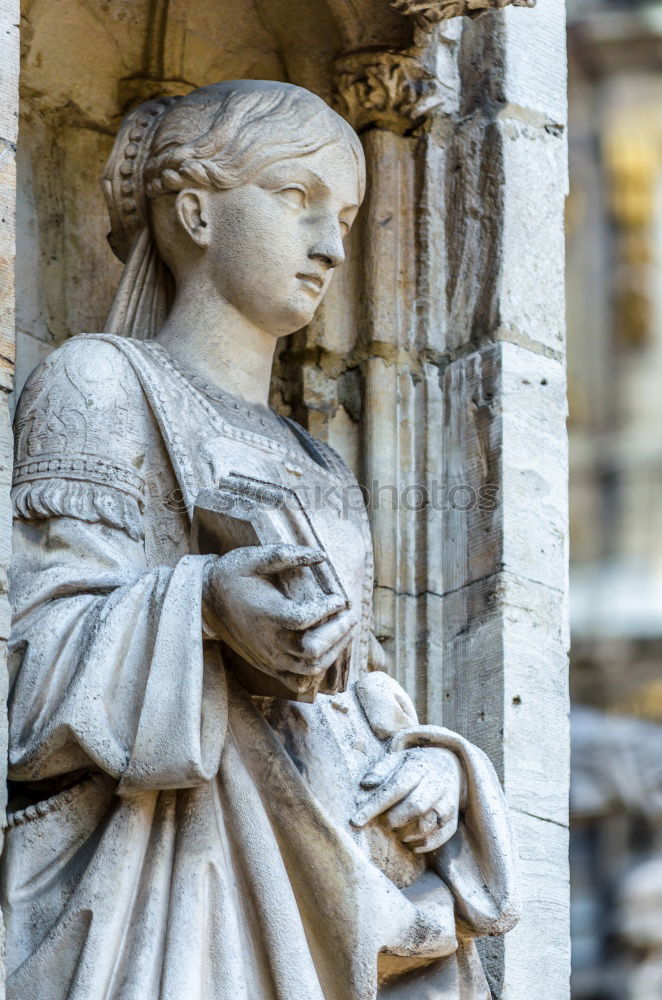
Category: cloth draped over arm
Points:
column 479, row 864
column 108, row 666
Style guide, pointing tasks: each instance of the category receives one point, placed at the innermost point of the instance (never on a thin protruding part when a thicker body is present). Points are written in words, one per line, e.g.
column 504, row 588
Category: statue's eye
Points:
column 344, row 228
column 294, row 196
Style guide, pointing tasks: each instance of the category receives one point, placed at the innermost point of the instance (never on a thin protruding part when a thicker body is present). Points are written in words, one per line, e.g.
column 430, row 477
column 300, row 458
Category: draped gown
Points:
column 170, row 837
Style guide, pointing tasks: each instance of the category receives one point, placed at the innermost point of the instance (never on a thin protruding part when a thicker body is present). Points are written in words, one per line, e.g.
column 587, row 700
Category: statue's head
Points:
column 246, row 188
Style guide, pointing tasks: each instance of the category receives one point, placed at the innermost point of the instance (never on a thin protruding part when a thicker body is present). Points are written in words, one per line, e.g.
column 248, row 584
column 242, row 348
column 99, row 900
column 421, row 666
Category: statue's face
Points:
column 275, row 242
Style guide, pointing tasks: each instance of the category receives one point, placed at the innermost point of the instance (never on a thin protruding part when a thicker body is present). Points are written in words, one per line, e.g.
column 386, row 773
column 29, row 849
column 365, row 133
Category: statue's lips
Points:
column 313, row 282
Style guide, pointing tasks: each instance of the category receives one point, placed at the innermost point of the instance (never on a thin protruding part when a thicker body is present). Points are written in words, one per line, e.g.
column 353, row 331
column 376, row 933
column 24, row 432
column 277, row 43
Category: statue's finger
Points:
column 396, row 788
column 299, row 616
column 436, row 840
column 427, row 794
column 265, row 560
column 309, row 668
column 415, row 805
column 379, row 771
column 428, row 823
column 319, row 640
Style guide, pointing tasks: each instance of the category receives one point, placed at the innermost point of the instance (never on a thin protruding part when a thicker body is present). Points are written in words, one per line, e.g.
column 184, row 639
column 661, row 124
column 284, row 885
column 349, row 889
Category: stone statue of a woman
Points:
column 174, row 833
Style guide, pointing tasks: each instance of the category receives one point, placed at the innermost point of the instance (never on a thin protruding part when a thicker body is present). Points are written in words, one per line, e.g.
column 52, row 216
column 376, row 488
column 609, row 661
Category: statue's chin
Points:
column 295, row 315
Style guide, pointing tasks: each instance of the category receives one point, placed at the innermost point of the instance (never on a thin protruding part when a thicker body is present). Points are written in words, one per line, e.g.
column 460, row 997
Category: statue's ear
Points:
column 192, row 211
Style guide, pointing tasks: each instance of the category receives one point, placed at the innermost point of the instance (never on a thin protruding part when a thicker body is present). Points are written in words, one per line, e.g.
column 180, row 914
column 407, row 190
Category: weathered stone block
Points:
column 505, row 467
column 505, row 244
column 518, row 58
column 530, row 290
column 535, row 74
column 505, row 685
column 537, row 951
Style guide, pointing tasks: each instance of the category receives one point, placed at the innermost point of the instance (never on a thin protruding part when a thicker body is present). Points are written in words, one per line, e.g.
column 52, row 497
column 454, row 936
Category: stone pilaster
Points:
column 505, row 569
column 461, row 350
column 389, row 97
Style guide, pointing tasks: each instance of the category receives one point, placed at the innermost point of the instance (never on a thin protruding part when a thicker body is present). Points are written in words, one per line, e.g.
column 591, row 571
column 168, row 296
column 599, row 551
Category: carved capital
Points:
column 434, row 11
column 391, row 90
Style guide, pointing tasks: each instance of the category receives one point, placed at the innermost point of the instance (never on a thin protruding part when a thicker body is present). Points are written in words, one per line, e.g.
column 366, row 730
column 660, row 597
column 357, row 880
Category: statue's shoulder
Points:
column 87, row 368
column 84, row 397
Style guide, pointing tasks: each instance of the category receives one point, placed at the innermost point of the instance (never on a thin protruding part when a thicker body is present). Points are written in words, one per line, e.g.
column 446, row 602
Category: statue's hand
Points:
column 420, row 793
column 250, row 614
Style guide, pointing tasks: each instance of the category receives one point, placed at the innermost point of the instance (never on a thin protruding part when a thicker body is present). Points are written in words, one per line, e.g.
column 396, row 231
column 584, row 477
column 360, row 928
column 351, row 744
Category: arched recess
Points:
column 83, row 64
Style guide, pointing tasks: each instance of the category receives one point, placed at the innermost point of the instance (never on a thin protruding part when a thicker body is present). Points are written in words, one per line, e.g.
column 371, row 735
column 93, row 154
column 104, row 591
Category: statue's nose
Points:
column 329, row 248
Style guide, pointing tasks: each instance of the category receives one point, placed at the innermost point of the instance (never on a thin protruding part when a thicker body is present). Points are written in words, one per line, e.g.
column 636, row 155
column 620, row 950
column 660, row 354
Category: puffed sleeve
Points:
column 108, row 664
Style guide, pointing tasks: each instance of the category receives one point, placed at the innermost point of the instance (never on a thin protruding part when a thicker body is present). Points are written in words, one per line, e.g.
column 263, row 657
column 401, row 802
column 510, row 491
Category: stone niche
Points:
column 83, row 65
column 437, row 360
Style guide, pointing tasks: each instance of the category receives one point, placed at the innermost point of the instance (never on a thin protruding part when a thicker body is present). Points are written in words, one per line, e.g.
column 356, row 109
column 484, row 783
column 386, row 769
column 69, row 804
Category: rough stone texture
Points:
column 517, row 61
column 506, row 262
column 498, row 402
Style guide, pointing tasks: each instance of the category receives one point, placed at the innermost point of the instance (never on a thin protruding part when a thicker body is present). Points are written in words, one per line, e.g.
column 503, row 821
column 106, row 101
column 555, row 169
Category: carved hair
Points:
column 217, row 137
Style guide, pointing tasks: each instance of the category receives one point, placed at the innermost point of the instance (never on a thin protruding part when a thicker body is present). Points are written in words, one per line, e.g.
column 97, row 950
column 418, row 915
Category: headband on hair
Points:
column 143, row 296
column 122, row 181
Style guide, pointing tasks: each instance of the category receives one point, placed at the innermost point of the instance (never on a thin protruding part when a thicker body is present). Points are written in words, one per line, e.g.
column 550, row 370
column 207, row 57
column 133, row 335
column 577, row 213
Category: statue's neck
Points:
column 213, row 340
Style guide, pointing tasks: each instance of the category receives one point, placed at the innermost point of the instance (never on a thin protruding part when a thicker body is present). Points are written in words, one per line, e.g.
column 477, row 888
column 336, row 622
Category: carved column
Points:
column 389, row 96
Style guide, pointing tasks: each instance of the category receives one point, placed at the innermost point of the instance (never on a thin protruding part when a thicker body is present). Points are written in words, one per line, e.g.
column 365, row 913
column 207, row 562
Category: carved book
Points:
column 244, row 511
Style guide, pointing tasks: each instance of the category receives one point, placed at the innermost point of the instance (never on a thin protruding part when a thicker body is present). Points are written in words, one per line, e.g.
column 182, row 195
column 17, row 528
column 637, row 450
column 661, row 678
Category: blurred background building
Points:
column 614, row 227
